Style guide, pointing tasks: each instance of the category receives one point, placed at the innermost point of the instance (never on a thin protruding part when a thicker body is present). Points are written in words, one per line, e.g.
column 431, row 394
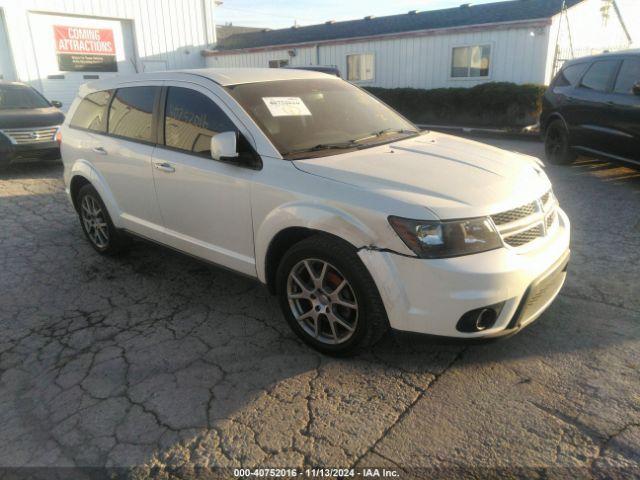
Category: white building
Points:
column 522, row 41
column 57, row 45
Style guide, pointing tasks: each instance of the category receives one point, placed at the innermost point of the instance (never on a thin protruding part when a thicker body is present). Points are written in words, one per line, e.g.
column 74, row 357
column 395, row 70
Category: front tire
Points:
column 96, row 223
column 329, row 298
column 556, row 144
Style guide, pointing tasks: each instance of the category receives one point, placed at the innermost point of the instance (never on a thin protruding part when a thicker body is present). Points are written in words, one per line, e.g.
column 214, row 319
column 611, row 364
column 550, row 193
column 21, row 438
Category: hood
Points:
column 451, row 176
column 32, row 117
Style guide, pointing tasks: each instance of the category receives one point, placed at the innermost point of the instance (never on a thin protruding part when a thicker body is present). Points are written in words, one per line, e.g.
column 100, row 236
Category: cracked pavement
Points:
column 162, row 364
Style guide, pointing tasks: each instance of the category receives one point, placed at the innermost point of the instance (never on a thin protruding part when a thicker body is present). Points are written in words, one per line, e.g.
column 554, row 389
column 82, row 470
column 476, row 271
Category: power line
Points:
column 264, row 13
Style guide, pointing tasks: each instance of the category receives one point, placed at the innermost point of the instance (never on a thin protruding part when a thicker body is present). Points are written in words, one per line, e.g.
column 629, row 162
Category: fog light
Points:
column 479, row 319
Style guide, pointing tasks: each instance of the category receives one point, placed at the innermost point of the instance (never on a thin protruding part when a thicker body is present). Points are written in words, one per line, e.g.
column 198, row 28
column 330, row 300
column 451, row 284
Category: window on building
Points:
column 628, row 77
column 471, row 62
column 278, row 63
column 92, row 112
column 131, row 112
column 599, row 75
column 570, row 75
column 360, row 67
column 191, row 119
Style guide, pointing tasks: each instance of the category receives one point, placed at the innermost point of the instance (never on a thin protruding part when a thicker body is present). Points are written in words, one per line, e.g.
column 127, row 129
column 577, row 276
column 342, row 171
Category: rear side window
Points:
column 91, row 114
column 191, row 119
column 570, row 75
column 629, row 75
column 131, row 113
column 599, row 75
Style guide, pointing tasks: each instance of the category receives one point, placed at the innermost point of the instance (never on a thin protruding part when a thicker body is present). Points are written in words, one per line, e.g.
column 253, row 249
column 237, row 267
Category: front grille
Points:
column 541, row 293
column 24, row 136
column 550, row 219
column 545, row 198
column 515, row 214
column 525, row 237
column 522, row 225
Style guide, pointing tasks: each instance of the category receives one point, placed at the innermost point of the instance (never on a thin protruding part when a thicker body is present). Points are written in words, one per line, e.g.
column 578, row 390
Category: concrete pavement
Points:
column 162, row 364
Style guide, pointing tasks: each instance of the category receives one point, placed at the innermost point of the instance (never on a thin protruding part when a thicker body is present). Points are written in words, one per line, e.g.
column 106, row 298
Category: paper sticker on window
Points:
column 286, row 106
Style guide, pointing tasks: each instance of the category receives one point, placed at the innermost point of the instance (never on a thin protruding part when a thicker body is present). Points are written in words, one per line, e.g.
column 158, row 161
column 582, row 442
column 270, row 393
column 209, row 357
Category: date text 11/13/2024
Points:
column 315, row 472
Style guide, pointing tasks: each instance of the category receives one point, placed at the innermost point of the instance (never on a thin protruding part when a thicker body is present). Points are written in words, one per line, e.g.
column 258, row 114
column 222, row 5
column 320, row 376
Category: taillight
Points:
column 59, row 136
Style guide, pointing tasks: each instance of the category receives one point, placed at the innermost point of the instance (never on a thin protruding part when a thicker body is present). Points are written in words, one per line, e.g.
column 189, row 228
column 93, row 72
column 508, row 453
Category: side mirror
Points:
column 636, row 89
column 224, row 146
column 56, row 103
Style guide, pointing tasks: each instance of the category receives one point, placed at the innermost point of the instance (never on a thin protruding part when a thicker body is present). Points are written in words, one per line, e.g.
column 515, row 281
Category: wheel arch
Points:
column 83, row 173
column 77, row 182
column 551, row 118
column 292, row 223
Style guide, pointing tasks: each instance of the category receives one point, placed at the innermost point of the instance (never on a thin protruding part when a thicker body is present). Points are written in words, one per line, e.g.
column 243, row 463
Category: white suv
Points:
column 343, row 208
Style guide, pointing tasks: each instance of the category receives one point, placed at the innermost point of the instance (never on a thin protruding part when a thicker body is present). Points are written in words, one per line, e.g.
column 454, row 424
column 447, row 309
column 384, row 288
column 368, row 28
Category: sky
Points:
column 283, row 13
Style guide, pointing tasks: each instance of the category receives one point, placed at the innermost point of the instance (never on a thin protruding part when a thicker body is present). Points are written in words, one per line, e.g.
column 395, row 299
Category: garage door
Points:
column 71, row 51
column 7, row 71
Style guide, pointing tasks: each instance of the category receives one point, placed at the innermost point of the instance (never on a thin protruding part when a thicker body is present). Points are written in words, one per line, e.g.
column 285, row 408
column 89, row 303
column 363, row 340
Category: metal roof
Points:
column 224, row 31
column 465, row 15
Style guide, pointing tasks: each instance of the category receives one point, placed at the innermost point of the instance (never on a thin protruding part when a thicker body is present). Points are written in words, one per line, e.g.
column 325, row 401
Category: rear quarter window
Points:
column 570, row 75
column 91, row 114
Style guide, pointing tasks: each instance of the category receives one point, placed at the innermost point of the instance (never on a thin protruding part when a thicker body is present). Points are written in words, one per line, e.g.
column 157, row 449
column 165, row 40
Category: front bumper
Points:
column 41, row 151
column 430, row 296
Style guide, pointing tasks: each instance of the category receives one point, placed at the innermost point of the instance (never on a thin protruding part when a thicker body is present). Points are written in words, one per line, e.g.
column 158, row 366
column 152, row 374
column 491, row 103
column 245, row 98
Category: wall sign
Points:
column 81, row 49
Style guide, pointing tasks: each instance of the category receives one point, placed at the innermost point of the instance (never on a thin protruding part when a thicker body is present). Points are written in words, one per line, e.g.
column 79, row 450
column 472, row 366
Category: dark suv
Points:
column 28, row 124
column 593, row 107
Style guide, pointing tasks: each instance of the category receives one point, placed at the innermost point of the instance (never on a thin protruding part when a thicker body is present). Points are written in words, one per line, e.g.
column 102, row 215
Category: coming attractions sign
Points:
column 81, row 49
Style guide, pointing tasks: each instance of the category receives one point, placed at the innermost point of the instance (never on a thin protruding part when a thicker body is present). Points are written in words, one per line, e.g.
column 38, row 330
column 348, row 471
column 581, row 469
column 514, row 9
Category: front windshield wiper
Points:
column 386, row 131
column 325, row 146
column 395, row 130
column 354, row 143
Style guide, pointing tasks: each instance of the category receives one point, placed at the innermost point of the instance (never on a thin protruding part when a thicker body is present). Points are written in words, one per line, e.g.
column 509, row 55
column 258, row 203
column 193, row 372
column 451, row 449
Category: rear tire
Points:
column 556, row 144
column 329, row 298
column 96, row 223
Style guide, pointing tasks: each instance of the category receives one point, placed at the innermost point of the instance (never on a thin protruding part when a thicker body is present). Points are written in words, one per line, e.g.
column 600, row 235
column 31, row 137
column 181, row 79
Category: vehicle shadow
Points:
column 608, row 172
column 32, row 169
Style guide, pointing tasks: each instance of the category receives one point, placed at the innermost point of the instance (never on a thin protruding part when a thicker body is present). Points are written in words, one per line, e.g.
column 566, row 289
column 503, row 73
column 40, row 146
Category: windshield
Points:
column 20, row 96
column 308, row 118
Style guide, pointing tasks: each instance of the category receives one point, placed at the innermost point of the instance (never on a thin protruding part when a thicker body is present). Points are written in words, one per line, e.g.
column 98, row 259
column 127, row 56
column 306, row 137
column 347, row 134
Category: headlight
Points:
column 432, row 239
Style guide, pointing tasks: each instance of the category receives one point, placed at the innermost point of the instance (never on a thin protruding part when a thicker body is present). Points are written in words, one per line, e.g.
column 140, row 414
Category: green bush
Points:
column 497, row 104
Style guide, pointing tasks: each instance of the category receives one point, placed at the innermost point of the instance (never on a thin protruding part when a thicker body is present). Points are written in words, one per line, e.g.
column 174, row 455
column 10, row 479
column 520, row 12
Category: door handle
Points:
column 164, row 167
column 99, row 150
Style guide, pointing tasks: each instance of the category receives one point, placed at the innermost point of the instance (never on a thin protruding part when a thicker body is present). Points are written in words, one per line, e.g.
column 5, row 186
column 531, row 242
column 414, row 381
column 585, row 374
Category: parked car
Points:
column 28, row 124
column 328, row 69
column 352, row 216
column 593, row 107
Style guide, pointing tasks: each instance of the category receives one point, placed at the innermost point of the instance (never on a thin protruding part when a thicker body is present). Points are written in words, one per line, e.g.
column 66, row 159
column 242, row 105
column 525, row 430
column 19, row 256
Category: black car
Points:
column 592, row 107
column 28, row 124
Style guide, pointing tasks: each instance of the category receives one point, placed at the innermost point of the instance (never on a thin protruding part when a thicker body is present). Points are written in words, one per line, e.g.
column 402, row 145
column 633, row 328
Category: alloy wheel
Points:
column 322, row 301
column 555, row 143
column 94, row 222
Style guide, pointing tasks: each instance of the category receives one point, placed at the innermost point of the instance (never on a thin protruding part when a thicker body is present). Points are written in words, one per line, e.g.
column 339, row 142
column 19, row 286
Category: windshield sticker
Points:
column 286, row 106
